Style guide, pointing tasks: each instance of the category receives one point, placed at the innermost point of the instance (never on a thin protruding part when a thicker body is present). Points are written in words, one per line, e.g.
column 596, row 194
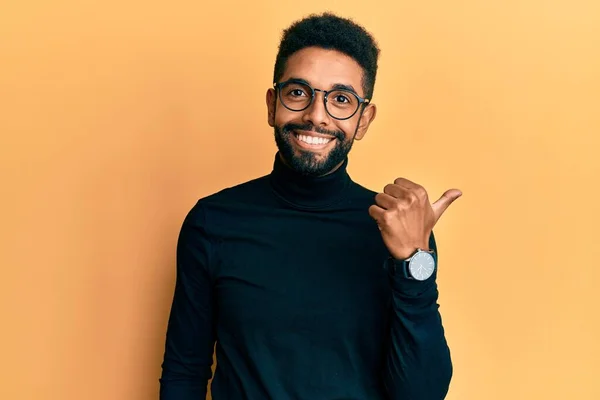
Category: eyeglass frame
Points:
column 361, row 100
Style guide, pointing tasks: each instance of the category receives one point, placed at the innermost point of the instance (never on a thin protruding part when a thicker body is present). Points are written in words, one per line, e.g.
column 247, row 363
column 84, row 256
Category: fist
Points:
column 405, row 216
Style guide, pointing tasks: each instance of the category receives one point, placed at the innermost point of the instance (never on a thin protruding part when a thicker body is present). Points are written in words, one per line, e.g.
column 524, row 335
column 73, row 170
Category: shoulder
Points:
column 360, row 194
column 245, row 192
column 220, row 206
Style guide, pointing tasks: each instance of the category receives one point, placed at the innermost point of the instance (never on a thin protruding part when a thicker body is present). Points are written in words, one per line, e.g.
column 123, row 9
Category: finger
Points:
column 412, row 187
column 444, row 202
column 396, row 191
column 386, row 201
column 405, row 183
column 376, row 213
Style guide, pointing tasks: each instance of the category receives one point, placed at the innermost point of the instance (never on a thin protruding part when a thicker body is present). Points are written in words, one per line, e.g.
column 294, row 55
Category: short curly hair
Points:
column 329, row 31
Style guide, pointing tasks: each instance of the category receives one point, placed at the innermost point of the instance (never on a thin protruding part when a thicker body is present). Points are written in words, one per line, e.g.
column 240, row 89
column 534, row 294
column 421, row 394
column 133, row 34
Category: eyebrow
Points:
column 335, row 86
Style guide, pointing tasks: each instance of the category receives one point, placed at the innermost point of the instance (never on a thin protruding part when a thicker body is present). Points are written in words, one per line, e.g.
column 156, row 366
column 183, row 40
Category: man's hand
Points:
column 406, row 218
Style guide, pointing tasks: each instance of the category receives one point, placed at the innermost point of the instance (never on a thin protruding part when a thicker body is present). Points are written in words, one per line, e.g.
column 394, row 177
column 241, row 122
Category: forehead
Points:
column 324, row 68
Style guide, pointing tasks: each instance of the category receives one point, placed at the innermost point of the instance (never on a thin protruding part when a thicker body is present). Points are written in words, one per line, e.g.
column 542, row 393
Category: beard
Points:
column 306, row 162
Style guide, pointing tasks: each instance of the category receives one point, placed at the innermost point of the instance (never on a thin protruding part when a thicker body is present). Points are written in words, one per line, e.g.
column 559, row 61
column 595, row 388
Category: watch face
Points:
column 421, row 266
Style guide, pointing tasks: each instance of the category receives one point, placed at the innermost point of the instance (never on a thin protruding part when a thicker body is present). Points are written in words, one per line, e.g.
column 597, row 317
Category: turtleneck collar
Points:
column 308, row 192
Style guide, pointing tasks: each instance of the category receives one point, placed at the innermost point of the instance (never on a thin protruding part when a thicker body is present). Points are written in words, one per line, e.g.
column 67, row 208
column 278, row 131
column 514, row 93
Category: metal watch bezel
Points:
column 412, row 264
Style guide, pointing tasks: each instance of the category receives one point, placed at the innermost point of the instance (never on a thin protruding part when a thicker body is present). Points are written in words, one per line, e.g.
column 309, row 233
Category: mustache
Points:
column 287, row 128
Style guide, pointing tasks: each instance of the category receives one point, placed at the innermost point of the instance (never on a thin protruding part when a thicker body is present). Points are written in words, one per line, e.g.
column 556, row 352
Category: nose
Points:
column 316, row 114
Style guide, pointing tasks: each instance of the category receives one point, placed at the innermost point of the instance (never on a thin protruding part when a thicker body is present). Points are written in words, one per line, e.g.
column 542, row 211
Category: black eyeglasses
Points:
column 297, row 95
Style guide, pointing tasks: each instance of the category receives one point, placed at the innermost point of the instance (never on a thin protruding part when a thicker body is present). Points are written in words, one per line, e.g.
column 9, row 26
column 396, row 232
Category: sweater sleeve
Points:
column 418, row 364
column 190, row 336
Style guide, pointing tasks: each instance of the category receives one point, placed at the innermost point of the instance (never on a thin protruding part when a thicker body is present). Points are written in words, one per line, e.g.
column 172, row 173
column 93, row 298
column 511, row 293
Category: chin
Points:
column 308, row 162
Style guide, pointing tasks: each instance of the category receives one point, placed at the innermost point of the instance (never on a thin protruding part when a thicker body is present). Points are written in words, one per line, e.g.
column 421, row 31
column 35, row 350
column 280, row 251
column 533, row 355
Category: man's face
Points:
column 311, row 141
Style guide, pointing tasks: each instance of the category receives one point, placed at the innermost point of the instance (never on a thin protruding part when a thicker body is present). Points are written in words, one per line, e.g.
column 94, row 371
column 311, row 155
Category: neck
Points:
column 309, row 192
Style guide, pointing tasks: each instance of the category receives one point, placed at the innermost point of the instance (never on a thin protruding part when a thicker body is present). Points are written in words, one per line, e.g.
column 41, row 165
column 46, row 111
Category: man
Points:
column 300, row 277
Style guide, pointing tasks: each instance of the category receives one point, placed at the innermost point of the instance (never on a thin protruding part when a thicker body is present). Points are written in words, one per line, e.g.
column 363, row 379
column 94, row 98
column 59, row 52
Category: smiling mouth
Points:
column 313, row 141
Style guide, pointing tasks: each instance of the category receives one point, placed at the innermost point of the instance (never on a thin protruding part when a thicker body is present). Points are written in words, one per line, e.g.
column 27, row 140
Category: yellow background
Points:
column 116, row 116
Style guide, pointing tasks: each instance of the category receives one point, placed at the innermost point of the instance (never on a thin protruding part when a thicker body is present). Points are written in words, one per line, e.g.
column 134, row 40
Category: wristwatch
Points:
column 420, row 266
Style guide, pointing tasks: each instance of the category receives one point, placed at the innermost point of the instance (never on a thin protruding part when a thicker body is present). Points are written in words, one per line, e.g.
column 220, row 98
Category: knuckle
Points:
column 412, row 198
column 400, row 204
column 421, row 193
column 387, row 218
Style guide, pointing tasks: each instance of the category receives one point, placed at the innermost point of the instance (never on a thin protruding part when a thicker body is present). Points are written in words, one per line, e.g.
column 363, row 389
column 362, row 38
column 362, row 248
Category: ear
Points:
column 367, row 116
column 271, row 104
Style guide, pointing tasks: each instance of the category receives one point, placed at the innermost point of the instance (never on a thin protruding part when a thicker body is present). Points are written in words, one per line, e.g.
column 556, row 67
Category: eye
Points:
column 297, row 92
column 294, row 90
column 341, row 98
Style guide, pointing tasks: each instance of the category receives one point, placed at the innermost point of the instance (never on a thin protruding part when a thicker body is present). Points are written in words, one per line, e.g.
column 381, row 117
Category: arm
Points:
column 418, row 364
column 190, row 335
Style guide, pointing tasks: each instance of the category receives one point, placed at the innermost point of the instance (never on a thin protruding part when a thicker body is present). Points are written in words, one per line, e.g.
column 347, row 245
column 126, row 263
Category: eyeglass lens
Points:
column 298, row 96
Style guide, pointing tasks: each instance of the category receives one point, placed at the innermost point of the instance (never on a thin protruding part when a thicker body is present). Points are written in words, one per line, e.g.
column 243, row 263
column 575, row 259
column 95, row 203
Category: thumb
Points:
column 444, row 202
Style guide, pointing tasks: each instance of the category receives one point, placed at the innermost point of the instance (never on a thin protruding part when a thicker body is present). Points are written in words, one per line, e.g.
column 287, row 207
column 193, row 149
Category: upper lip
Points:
column 313, row 134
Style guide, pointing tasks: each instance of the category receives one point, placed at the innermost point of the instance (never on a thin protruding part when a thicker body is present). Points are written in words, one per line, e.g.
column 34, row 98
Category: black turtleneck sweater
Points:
column 287, row 275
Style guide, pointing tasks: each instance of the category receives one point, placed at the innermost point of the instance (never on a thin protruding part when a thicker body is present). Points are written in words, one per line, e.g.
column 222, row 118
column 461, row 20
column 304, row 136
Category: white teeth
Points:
column 313, row 140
